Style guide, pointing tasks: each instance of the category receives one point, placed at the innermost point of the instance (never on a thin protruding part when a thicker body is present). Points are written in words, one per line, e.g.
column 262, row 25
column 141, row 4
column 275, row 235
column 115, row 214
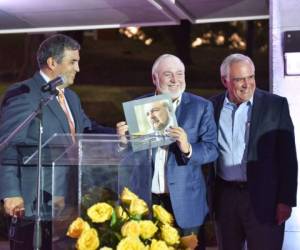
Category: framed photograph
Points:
column 147, row 119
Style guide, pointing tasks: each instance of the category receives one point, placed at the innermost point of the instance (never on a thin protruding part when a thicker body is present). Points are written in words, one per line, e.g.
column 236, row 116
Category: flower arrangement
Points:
column 127, row 226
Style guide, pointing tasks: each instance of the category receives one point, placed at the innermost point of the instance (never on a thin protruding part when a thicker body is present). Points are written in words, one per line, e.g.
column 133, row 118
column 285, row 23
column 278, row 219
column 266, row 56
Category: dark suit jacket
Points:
column 185, row 179
column 272, row 162
column 20, row 100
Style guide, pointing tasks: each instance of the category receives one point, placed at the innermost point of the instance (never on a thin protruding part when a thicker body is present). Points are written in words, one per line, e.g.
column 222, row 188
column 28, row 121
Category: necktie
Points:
column 62, row 102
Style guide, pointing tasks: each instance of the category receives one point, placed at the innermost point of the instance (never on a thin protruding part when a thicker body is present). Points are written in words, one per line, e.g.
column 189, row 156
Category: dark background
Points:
column 115, row 68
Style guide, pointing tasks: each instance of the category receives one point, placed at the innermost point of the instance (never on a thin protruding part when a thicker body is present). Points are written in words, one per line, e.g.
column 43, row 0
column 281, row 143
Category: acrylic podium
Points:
column 76, row 175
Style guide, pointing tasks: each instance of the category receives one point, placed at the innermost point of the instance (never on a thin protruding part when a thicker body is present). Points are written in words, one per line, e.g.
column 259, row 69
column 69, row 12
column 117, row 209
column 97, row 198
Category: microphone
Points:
column 51, row 86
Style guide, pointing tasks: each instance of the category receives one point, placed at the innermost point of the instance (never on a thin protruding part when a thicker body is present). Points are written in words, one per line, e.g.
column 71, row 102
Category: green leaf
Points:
column 113, row 220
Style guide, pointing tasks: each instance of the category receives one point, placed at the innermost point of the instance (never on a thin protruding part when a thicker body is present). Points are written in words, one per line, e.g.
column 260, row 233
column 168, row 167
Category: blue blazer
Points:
column 20, row 100
column 185, row 179
column 272, row 161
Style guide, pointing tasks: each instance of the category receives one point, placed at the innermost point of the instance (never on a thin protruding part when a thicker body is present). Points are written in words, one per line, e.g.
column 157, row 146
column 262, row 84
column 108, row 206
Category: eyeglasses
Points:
column 243, row 79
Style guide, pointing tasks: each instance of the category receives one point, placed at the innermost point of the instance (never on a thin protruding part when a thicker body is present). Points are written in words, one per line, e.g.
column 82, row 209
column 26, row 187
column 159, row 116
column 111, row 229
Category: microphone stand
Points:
column 37, row 236
column 37, row 233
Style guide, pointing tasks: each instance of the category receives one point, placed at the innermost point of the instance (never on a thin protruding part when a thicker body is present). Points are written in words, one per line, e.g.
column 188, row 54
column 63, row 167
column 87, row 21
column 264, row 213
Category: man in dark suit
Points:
column 256, row 181
column 57, row 56
column 178, row 182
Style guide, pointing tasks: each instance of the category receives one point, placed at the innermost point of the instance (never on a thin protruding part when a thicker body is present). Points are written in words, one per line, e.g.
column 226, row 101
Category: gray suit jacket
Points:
column 20, row 100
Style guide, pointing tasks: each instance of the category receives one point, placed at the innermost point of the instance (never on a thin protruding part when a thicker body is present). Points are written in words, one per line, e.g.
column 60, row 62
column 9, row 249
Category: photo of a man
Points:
column 149, row 119
column 159, row 116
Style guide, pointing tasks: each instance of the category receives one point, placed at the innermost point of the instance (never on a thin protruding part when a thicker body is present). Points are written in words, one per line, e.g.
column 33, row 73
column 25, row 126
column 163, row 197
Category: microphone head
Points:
column 57, row 81
column 53, row 84
column 62, row 79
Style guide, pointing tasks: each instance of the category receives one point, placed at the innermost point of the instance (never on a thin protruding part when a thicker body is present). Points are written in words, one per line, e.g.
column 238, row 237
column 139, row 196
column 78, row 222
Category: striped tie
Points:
column 62, row 102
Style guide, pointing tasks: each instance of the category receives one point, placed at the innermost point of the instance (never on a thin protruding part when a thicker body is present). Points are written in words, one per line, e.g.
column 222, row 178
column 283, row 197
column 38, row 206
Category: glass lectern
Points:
column 76, row 175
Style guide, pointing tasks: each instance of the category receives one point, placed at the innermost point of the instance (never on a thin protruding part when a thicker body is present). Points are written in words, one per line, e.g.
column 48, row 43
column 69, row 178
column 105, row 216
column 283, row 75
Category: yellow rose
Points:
column 77, row 227
column 121, row 214
column 169, row 234
column 162, row 215
column 88, row 240
column 100, row 212
column 138, row 207
column 131, row 243
column 147, row 229
column 127, row 196
column 131, row 228
column 158, row 245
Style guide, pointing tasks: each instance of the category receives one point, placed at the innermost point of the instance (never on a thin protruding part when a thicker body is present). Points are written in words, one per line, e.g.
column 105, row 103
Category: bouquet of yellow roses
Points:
column 126, row 227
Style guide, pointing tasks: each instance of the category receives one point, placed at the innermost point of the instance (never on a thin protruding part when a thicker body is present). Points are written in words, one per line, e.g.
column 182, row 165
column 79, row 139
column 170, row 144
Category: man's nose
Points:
column 173, row 78
column 246, row 82
column 76, row 67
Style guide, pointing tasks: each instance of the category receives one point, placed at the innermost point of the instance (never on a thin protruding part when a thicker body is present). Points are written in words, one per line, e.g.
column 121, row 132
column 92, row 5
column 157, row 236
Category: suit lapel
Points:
column 53, row 105
column 218, row 105
column 179, row 113
column 185, row 100
column 256, row 116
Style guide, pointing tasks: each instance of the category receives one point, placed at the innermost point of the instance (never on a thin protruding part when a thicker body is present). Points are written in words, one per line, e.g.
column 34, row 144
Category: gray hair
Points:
column 55, row 46
column 231, row 59
column 164, row 103
column 161, row 58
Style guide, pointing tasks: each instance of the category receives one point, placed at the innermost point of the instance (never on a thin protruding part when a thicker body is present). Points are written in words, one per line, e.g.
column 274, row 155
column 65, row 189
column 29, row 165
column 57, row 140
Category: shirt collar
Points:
column 44, row 76
column 175, row 102
column 47, row 79
column 228, row 102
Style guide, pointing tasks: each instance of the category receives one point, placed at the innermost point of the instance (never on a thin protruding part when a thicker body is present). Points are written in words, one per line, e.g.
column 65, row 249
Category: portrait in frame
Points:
column 148, row 120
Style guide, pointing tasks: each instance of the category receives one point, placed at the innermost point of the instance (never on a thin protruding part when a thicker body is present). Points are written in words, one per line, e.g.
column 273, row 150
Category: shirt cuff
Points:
column 189, row 154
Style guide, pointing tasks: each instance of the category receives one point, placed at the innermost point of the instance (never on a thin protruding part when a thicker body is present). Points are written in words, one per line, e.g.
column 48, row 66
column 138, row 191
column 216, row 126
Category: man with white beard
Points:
column 178, row 183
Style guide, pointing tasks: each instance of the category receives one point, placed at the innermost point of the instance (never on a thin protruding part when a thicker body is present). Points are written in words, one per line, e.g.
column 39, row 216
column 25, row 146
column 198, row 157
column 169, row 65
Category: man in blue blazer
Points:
column 57, row 56
column 256, row 181
column 178, row 182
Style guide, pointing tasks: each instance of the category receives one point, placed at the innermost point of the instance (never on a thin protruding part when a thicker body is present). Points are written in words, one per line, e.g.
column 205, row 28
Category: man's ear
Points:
column 51, row 63
column 155, row 78
column 224, row 81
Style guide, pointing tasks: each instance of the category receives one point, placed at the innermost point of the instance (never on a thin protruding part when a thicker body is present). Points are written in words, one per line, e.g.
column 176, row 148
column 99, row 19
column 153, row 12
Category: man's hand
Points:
column 181, row 138
column 122, row 129
column 189, row 242
column 283, row 212
column 14, row 206
column 59, row 204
